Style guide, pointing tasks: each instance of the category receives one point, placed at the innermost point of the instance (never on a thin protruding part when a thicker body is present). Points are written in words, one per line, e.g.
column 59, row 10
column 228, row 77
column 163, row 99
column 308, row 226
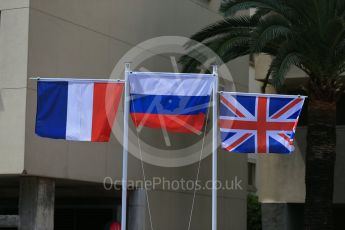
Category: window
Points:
column 251, row 174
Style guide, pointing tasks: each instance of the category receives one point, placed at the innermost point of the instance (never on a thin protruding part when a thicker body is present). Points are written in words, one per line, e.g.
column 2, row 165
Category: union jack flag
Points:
column 259, row 123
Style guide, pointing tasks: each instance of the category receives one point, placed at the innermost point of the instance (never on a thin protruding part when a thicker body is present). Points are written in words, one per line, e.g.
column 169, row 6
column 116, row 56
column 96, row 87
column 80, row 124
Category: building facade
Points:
column 55, row 184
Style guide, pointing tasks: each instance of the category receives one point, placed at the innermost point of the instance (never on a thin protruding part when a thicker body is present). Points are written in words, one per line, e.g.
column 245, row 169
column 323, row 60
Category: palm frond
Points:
column 340, row 7
column 231, row 7
column 336, row 63
column 308, row 34
column 228, row 26
column 334, row 32
column 269, row 34
column 260, row 13
column 236, row 52
column 288, row 56
column 228, row 45
column 269, row 29
column 281, row 65
column 224, row 47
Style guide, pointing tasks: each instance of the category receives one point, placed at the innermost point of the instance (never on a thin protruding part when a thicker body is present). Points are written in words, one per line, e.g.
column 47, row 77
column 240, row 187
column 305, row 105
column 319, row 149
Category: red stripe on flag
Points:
column 262, row 121
column 286, row 138
column 237, row 142
column 172, row 123
column 254, row 125
column 106, row 100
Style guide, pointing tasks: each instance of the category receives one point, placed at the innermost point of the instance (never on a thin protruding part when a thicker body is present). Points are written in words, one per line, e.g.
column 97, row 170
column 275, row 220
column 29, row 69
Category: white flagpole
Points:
column 125, row 148
column 214, row 148
column 75, row 79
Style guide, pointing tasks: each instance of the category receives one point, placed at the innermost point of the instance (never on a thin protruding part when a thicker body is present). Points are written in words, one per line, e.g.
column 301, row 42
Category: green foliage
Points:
column 253, row 213
column 309, row 34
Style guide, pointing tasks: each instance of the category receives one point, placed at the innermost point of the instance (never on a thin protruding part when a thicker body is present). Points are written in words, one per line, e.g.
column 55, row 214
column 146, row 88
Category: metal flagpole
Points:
column 214, row 147
column 76, row 79
column 125, row 149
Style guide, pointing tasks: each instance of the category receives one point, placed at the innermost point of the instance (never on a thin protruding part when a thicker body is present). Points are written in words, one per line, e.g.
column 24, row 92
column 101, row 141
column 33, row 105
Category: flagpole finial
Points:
column 215, row 69
column 35, row 78
column 127, row 65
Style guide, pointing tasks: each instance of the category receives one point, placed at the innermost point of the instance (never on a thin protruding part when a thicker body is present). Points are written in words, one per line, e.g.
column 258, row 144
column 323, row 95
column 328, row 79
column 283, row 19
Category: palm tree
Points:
column 308, row 34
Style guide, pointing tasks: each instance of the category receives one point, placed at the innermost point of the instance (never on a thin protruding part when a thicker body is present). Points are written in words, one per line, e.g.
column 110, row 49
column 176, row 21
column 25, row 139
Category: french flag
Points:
column 175, row 102
column 78, row 110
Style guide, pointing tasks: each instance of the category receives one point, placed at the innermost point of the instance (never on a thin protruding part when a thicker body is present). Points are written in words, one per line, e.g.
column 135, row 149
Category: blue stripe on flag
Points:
column 51, row 113
column 225, row 112
column 247, row 146
column 277, row 147
column 295, row 115
column 169, row 104
column 226, row 135
column 247, row 102
column 276, row 103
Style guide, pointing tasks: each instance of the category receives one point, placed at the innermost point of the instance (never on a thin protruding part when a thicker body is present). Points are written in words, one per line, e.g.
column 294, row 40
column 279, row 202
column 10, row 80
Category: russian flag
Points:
column 175, row 102
column 77, row 110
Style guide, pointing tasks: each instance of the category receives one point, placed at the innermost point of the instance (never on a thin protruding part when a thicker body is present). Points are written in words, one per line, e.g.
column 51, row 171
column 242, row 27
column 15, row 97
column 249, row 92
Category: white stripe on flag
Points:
column 178, row 85
column 79, row 111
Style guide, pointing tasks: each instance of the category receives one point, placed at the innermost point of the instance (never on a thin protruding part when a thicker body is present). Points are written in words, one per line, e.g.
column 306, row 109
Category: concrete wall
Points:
column 339, row 183
column 171, row 209
column 281, row 178
column 86, row 38
column 13, row 65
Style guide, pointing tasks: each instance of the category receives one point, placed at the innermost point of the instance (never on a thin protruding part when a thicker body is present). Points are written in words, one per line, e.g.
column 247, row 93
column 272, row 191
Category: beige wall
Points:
column 282, row 177
column 86, row 38
column 13, row 65
column 171, row 209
